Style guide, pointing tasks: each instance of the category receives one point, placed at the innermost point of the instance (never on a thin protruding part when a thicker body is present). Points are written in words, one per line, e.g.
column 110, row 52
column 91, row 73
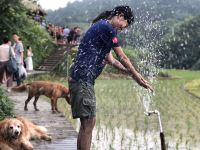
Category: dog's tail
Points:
column 20, row 88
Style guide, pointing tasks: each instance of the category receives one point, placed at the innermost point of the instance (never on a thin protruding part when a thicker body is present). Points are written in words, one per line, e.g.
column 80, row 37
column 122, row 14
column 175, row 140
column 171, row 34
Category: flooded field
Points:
column 122, row 124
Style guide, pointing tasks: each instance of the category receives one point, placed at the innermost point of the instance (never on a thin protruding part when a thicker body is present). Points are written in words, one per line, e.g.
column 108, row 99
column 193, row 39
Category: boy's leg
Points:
column 85, row 133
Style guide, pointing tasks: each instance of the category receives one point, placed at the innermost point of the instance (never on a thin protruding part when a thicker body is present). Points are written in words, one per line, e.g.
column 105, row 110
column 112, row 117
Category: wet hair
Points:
column 75, row 27
column 102, row 16
column 119, row 10
column 14, row 33
column 5, row 40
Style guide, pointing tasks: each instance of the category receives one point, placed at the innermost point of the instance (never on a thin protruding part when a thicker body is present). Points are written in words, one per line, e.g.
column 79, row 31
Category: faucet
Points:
column 162, row 136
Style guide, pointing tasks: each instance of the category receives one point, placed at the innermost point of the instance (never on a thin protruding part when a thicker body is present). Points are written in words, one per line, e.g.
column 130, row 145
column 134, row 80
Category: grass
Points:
column 193, row 87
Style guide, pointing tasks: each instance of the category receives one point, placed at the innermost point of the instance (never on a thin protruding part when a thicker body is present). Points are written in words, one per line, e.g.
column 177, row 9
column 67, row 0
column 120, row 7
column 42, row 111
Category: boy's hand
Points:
column 141, row 81
column 149, row 87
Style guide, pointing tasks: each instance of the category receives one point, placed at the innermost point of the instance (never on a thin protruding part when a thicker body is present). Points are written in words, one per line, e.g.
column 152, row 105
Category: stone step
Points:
column 50, row 63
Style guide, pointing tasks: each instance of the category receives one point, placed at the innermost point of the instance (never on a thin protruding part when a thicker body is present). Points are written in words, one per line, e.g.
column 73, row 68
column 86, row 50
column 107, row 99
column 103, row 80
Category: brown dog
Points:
column 15, row 134
column 50, row 89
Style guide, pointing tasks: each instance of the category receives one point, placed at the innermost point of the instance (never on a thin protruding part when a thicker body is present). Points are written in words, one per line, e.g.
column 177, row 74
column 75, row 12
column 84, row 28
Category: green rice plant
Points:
column 181, row 138
column 123, row 138
column 145, row 141
column 177, row 145
column 155, row 141
column 130, row 143
column 110, row 147
column 98, row 132
column 193, row 87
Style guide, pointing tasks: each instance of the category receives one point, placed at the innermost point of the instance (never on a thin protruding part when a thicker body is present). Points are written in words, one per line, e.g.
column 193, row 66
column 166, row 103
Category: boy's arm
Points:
column 132, row 71
column 115, row 63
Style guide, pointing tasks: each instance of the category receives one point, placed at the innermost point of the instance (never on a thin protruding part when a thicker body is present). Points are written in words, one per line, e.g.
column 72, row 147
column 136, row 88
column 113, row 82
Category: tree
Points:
column 182, row 49
column 14, row 19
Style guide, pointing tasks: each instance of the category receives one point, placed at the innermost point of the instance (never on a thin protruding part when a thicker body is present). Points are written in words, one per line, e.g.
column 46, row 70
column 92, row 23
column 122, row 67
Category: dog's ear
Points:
column 4, row 125
column 22, row 129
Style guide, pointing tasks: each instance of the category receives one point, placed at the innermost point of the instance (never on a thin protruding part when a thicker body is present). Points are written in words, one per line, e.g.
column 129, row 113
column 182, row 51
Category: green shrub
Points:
column 39, row 40
column 6, row 106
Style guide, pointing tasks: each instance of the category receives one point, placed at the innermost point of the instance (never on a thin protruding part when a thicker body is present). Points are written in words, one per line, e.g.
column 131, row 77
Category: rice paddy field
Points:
column 121, row 122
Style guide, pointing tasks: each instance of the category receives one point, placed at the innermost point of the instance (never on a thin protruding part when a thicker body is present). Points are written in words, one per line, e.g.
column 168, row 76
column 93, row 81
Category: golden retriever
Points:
column 15, row 134
column 50, row 89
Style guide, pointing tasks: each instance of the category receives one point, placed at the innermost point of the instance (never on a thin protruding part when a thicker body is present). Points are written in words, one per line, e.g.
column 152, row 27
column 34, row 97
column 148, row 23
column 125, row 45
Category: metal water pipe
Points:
column 162, row 136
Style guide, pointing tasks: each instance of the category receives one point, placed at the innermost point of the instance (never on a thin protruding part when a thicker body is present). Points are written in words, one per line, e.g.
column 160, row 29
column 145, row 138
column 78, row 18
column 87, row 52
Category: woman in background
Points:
column 5, row 76
column 29, row 61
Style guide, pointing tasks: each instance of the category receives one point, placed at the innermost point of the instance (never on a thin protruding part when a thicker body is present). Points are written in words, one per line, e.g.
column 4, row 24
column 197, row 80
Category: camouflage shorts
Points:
column 83, row 101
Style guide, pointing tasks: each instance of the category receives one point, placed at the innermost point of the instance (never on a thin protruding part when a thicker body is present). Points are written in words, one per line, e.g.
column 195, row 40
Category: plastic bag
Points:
column 22, row 72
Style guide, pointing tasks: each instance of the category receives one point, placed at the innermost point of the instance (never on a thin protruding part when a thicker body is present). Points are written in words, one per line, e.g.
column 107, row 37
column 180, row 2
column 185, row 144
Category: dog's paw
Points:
column 54, row 111
column 48, row 138
column 58, row 111
column 25, row 109
column 26, row 146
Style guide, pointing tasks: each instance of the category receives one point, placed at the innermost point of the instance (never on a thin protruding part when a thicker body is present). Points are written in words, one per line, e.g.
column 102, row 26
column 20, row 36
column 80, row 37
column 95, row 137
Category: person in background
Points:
column 29, row 60
column 66, row 32
column 73, row 36
column 5, row 76
column 19, row 55
column 93, row 51
column 43, row 24
column 51, row 29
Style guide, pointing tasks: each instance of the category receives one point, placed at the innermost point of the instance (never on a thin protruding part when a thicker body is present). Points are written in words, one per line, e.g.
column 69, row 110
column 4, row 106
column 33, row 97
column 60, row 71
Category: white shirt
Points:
column 66, row 31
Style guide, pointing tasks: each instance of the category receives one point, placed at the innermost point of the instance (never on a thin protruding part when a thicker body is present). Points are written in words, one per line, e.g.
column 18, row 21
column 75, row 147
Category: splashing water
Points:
column 146, row 95
column 146, row 100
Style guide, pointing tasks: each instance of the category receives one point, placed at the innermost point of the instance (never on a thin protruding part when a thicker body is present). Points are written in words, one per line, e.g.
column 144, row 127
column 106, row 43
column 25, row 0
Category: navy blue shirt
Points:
column 98, row 41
